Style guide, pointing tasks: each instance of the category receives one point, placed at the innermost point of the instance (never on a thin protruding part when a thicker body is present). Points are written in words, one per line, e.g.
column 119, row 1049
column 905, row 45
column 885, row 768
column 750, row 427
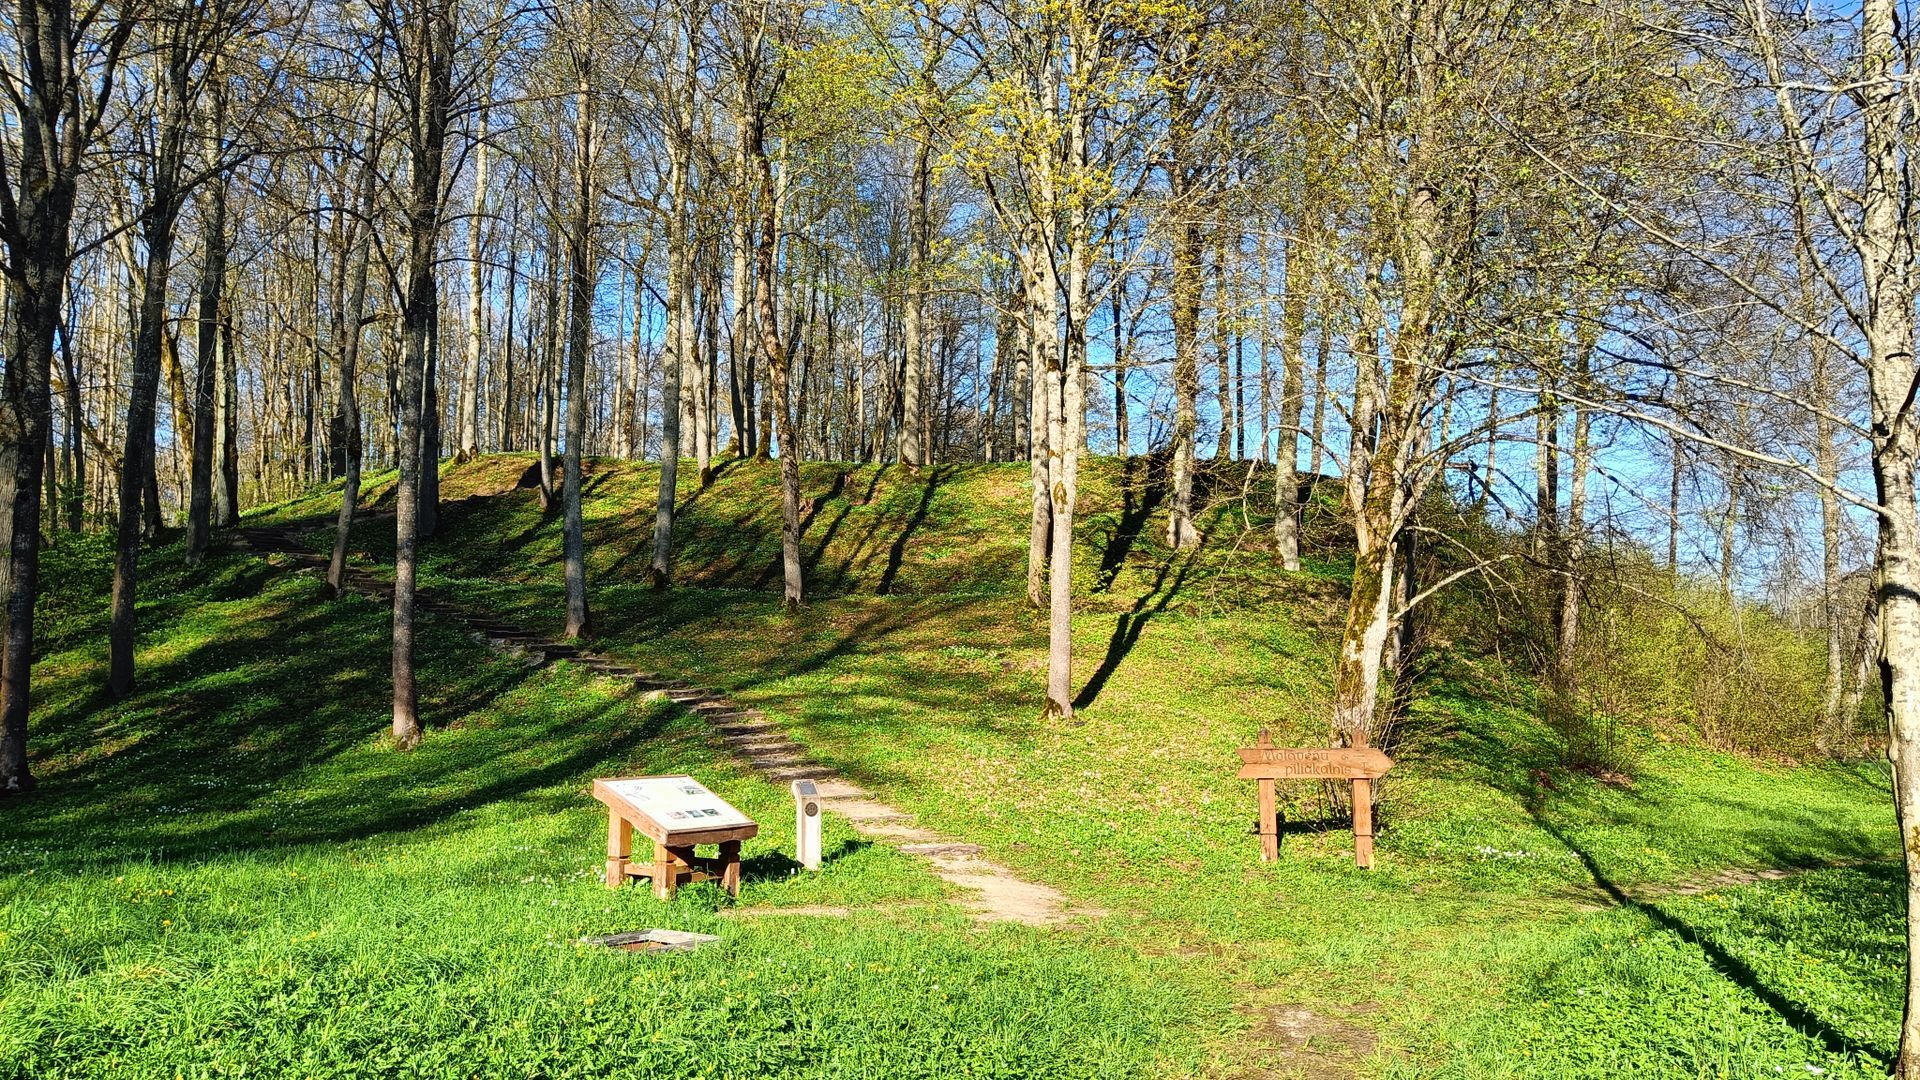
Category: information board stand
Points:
column 1359, row 765
column 678, row 814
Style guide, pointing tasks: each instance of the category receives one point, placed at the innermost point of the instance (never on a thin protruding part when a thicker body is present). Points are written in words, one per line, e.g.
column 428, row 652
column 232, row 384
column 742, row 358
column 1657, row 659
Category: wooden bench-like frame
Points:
column 674, row 861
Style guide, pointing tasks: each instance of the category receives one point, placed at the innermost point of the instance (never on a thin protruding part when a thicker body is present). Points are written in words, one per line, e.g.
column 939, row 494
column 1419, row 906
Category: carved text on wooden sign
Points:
column 1313, row 763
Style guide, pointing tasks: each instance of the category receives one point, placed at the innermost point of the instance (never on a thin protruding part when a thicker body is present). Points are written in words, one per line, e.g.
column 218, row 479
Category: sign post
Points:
column 678, row 814
column 1359, row 765
column 806, row 824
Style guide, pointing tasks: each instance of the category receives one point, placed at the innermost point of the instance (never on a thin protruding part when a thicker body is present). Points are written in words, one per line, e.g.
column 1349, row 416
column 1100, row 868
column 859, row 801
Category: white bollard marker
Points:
column 806, row 824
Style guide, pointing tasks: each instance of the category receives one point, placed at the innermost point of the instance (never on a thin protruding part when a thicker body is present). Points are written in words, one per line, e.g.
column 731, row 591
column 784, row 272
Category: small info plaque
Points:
column 678, row 803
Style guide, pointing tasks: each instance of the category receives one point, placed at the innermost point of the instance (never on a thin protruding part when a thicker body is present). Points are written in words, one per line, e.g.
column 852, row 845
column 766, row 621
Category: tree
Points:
column 213, row 284
column 761, row 77
column 580, row 281
column 425, row 47
column 351, row 328
column 193, row 34
column 58, row 85
column 678, row 97
column 1876, row 229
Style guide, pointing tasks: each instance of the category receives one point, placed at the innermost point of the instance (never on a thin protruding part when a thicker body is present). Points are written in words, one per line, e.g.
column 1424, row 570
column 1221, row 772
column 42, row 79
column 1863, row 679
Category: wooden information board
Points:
column 677, row 813
column 1358, row 765
column 1312, row 763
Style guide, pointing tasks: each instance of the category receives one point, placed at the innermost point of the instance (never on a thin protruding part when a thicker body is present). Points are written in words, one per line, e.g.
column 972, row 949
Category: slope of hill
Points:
column 1522, row 921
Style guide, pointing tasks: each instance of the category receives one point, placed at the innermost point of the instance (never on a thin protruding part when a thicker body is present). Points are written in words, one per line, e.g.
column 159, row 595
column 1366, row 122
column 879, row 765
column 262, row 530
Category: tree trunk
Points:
column 1066, row 423
column 1834, row 725
column 360, row 234
column 766, row 257
column 45, row 214
column 913, row 376
column 469, row 403
column 430, row 431
column 1040, row 529
column 136, row 461
column 25, row 418
column 1391, row 398
column 507, row 400
column 740, row 358
column 1122, row 353
column 699, row 395
column 76, row 481
column 226, row 429
column 579, row 328
column 1574, row 541
column 213, row 279
column 544, row 403
column 1229, row 419
column 1293, row 356
column 679, row 335
column 1185, row 299
column 432, row 40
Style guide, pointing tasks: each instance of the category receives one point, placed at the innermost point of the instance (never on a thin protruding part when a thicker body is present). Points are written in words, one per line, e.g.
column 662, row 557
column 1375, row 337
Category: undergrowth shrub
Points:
column 1593, row 739
column 1694, row 662
column 1656, row 654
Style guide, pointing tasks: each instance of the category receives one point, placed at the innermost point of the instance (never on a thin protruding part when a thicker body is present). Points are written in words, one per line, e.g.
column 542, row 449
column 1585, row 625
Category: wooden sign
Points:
column 1312, row 763
column 677, row 813
column 1359, row 765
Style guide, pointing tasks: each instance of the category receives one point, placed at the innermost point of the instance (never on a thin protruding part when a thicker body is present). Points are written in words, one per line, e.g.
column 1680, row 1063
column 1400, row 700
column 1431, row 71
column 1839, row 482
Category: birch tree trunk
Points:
column 1293, row 357
column 1885, row 245
column 1185, row 302
column 1066, row 426
column 1040, row 529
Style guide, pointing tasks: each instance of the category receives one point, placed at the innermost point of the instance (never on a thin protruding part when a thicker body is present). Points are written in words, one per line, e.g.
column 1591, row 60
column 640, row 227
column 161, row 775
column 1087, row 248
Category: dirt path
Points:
column 1598, row 898
column 992, row 892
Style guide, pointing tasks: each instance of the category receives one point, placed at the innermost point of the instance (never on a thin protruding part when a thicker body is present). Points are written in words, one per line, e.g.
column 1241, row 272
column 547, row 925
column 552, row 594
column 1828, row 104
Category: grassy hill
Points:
column 230, row 872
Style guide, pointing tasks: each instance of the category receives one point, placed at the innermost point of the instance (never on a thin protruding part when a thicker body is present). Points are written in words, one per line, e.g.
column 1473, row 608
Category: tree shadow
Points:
column 767, row 866
column 1127, row 628
column 810, row 560
column 779, row 866
column 700, row 488
column 897, row 552
column 261, row 737
column 1134, row 514
column 818, row 503
column 1732, row 967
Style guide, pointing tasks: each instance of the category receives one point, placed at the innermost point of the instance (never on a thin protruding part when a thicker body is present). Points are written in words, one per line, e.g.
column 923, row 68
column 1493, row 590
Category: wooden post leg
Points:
column 1269, row 824
column 665, row 873
column 730, row 867
column 619, row 849
column 1363, row 823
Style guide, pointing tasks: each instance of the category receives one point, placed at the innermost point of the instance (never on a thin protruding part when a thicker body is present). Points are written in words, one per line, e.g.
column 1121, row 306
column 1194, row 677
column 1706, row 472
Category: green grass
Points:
column 1515, row 925
column 1732, row 967
column 232, row 874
